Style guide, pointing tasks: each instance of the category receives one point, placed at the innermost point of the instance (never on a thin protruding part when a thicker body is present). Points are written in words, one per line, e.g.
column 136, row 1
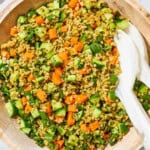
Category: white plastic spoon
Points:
column 129, row 61
column 139, row 42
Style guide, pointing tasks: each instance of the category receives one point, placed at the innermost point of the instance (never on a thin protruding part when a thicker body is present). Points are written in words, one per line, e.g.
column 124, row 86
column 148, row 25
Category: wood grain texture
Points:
column 9, row 131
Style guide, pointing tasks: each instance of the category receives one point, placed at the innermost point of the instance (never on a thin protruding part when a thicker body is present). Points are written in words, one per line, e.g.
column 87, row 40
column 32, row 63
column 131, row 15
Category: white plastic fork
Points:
column 139, row 42
column 130, row 65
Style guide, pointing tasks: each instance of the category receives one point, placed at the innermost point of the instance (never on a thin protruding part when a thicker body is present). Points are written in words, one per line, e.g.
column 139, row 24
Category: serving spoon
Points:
column 130, row 65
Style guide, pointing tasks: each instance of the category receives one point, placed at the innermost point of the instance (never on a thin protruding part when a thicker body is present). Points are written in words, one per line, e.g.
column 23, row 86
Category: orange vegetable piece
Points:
column 12, row 53
column 72, row 108
column 5, row 53
column 64, row 29
column 41, row 95
column 84, row 71
column 64, row 57
column 70, row 99
column 108, row 41
column 52, row 34
column 58, row 71
column 94, row 125
column 56, row 79
column 70, row 119
column 93, row 26
column 27, row 88
column 115, row 51
column 74, row 40
column 59, row 142
column 108, row 100
column 31, row 77
column 80, row 99
column 66, row 44
column 106, row 136
column 62, row 148
column 73, row 52
column 39, row 20
column 28, row 55
column 84, row 128
column 28, row 109
column 13, row 31
column 78, row 47
column 24, row 101
column 49, row 109
column 73, row 3
column 113, row 60
column 59, row 119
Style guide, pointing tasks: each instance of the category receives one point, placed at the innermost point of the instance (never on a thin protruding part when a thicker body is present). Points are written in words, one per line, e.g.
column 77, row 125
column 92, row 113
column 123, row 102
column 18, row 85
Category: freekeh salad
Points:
column 58, row 75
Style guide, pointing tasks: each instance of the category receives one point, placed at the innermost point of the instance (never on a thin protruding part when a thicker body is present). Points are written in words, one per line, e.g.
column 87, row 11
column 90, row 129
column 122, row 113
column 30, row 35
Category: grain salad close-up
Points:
column 59, row 72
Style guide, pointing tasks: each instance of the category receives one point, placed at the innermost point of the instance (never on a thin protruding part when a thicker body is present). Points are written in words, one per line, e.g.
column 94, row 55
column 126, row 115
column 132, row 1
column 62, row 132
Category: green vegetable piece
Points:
column 83, row 37
column 122, row 24
column 71, row 78
column 48, row 137
column 143, row 89
column 40, row 31
column 112, row 95
column 96, row 112
column 61, row 130
column 56, row 61
column 52, row 130
column 31, row 13
column 95, row 48
column 42, row 11
column 73, row 139
column 99, row 64
column 62, row 3
column 108, row 16
column 123, row 128
column 18, row 104
column 99, row 38
column 53, row 5
column 43, row 115
column 40, row 79
column 11, row 109
column 22, row 34
column 79, row 115
column 37, row 45
column 14, row 77
column 58, row 25
column 22, row 20
column 21, row 113
column 112, row 26
column 50, row 55
column 23, row 123
column 35, row 113
column 62, row 16
column 87, row 3
column 113, row 79
column 26, row 130
column 51, row 87
column 95, row 98
column 56, row 105
column 45, row 68
column 79, row 64
column 146, row 106
column 46, row 46
column 61, row 112
column 29, row 36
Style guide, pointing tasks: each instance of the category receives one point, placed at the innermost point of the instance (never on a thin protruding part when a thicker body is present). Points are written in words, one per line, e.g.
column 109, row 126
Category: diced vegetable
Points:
column 18, row 104
column 11, row 109
column 31, row 13
column 22, row 20
column 99, row 64
column 35, row 113
column 113, row 79
column 96, row 112
column 42, row 11
column 79, row 115
column 52, row 33
column 95, row 98
column 95, row 48
column 122, row 24
column 40, row 31
column 26, row 130
column 56, row 105
column 71, row 78
column 123, row 128
column 56, row 61
column 53, row 5
column 61, row 112
column 112, row 95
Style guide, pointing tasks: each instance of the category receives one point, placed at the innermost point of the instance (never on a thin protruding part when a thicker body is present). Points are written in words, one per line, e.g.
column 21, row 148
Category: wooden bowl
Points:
column 9, row 130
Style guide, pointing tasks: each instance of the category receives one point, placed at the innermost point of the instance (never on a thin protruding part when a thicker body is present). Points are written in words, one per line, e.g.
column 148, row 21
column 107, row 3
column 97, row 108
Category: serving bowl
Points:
column 9, row 130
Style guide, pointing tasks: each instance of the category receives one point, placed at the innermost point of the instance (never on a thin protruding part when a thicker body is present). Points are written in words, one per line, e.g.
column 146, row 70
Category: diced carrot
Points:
column 66, row 44
column 52, row 34
column 93, row 26
column 115, row 51
column 106, row 136
column 59, row 142
column 56, row 79
column 13, row 31
column 80, row 99
column 28, row 55
column 12, row 53
column 108, row 100
column 64, row 29
column 39, row 20
column 24, row 101
column 28, row 109
column 94, row 125
column 74, row 40
column 79, row 46
column 84, row 128
column 72, row 108
column 58, row 71
column 49, row 109
column 27, row 88
column 64, row 56
column 41, row 95
column 73, row 3
column 70, row 119
column 59, row 119
column 31, row 77
column 84, row 71
column 5, row 53
column 62, row 148
column 70, row 99
column 108, row 41
column 113, row 60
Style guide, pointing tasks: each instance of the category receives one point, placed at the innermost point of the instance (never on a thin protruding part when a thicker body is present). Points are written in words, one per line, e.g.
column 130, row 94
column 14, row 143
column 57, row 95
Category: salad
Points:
column 58, row 75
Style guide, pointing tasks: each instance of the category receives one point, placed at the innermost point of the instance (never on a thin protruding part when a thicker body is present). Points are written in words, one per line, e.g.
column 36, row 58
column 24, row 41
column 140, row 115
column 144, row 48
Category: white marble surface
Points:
column 145, row 3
